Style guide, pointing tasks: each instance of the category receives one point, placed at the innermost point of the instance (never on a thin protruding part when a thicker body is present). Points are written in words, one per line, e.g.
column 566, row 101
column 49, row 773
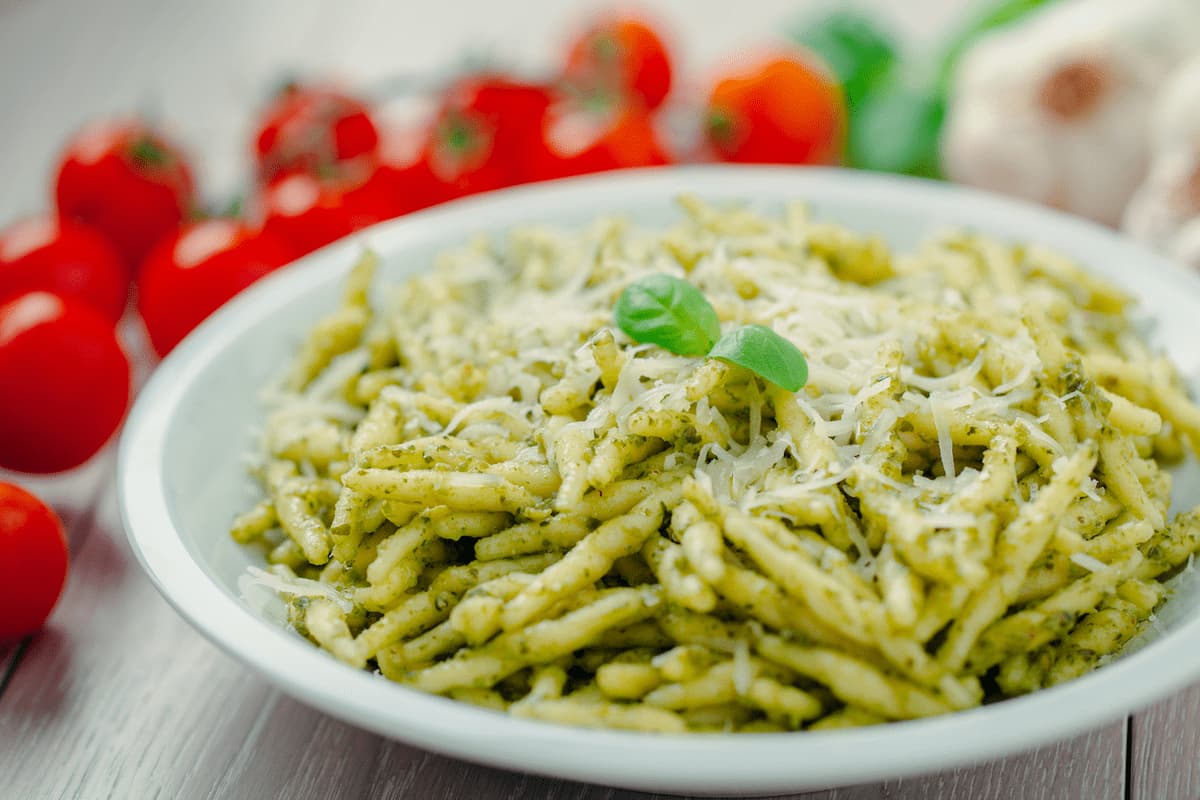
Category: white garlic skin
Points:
column 1054, row 108
column 1165, row 210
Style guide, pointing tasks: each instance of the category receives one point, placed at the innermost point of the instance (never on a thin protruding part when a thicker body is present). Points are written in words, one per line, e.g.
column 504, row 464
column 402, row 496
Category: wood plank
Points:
column 404, row 772
column 73, row 497
column 10, row 655
column 293, row 751
column 118, row 697
column 1164, row 749
column 1088, row 767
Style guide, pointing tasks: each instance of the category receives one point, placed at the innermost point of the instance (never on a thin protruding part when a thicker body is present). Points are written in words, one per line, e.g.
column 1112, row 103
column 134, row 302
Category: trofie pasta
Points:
column 478, row 486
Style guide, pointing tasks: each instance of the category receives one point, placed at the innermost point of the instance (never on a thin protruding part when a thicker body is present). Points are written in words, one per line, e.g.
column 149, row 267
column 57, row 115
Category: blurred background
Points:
column 205, row 69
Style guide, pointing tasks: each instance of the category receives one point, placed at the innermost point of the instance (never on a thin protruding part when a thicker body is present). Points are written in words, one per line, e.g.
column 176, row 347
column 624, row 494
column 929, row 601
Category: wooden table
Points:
column 118, row 697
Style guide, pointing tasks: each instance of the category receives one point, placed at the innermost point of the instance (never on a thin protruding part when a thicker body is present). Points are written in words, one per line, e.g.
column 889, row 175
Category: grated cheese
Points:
column 743, row 668
column 938, row 409
column 1066, row 398
column 1088, row 562
column 297, row 587
column 1091, row 489
column 485, row 407
column 959, row 379
column 341, row 370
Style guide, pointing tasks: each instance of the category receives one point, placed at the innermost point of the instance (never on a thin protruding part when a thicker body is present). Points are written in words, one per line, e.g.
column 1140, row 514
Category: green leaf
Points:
column 859, row 52
column 669, row 312
column 146, row 152
column 897, row 130
column 762, row 350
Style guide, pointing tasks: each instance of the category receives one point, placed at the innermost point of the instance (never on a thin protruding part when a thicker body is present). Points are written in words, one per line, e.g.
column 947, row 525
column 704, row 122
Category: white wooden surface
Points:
column 1164, row 748
column 118, row 697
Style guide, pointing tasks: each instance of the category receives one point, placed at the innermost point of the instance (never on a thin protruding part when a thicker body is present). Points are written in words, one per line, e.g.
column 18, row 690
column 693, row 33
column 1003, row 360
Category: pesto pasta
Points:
column 478, row 486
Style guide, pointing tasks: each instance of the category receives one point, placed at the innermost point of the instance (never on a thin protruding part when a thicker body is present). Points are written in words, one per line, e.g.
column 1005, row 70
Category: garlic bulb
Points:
column 1165, row 211
column 1053, row 108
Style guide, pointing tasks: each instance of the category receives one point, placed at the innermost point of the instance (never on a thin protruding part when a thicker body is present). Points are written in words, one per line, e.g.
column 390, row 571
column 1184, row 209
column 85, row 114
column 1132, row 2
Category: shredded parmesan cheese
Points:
column 1088, row 562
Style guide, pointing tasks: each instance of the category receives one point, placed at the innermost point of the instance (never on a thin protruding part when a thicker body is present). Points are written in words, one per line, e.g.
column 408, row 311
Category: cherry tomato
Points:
column 313, row 129
column 488, row 134
column 310, row 212
column 306, row 212
column 190, row 275
column 582, row 139
column 64, row 382
column 403, row 181
column 127, row 181
column 33, row 562
column 61, row 256
column 623, row 55
column 785, row 109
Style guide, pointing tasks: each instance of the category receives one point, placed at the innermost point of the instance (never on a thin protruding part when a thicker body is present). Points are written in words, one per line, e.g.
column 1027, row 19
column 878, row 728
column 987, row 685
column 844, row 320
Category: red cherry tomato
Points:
column 306, row 212
column 581, row 139
column 403, row 181
column 64, row 257
column 786, row 109
column 621, row 55
column 309, row 212
column 488, row 134
column 124, row 179
column 190, row 275
column 33, row 562
column 64, row 382
column 313, row 129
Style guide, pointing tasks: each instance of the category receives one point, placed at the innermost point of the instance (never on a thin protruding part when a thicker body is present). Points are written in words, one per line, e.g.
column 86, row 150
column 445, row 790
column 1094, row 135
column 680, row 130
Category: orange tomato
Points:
column 782, row 109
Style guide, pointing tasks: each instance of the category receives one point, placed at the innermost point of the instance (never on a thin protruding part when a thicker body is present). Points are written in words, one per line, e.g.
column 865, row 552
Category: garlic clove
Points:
column 1165, row 210
column 1055, row 108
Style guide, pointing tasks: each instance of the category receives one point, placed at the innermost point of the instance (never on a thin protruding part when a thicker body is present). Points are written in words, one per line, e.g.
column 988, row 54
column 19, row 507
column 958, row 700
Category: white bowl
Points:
column 181, row 481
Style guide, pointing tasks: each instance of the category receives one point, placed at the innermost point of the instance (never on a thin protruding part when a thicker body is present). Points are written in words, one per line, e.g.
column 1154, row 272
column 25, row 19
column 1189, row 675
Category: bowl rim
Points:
column 703, row 764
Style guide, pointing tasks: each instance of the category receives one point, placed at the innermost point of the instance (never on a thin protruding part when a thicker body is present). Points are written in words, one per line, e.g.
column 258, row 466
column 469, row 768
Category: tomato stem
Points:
column 146, row 152
column 721, row 126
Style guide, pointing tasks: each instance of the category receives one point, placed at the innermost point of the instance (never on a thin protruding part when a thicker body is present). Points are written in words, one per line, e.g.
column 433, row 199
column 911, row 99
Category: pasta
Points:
column 480, row 487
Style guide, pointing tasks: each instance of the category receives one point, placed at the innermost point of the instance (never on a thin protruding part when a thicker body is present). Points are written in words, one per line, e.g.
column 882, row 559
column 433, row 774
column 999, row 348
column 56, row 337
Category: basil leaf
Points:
column 669, row 312
column 897, row 129
column 860, row 53
column 762, row 350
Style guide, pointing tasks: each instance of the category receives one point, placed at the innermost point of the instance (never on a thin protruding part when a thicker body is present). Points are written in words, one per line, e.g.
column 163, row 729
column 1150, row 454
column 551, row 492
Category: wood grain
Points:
column 1164, row 749
column 74, row 498
column 117, row 697
column 10, row 654
column 1091, row 766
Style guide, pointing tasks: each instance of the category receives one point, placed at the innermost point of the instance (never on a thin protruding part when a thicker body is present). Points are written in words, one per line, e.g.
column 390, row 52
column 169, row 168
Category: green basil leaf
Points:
column 859, row 51
column 669, row 312
column 762, row 350
column 897, row 129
